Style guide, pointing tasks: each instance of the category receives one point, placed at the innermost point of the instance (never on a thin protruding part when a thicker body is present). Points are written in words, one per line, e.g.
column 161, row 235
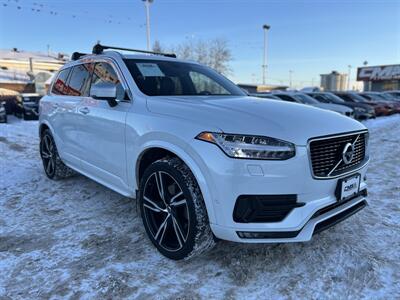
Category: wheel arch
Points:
column 172, row 150
column 43, row 126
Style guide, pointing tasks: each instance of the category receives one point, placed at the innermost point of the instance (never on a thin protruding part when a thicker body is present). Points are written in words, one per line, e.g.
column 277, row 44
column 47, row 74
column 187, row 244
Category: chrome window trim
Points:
column 366, row 160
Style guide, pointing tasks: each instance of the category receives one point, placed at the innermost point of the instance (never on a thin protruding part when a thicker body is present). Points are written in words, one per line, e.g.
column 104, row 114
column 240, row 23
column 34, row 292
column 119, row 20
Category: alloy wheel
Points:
column 166, row 211
column 47, row 154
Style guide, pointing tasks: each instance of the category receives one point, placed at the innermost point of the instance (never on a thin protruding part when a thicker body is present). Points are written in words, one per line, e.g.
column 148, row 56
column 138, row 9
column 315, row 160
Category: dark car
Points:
column 264, row 95
column 361, row 111
column 395, row 95
column 377, row 97
column 3, row 113
column 28, row 106
column 381, row 109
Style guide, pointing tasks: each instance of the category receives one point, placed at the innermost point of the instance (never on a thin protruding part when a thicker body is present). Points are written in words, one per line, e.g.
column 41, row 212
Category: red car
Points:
column 376, row 97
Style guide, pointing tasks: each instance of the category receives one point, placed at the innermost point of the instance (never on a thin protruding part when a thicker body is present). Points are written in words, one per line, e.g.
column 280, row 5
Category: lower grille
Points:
column 327, row 158
column 264, row 208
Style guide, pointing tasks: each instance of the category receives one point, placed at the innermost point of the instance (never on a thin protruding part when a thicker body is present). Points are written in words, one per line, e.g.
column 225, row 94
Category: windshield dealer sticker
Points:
column 149, row 70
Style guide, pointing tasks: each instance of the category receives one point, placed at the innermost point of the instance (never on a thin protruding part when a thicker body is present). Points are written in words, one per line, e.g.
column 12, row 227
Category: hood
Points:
column 334, row 107
column 288, row 121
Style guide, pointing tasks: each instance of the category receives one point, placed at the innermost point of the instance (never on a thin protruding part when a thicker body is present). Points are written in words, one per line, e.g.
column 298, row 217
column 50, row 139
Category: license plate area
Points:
column 348, row 187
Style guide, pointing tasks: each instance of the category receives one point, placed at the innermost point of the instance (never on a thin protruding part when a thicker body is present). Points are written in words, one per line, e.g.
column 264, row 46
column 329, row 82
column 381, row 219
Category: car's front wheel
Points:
column 173, row 210
column 53, row 166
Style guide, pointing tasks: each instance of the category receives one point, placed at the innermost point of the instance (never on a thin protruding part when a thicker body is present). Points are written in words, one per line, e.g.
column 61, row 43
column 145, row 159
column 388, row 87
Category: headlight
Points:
column 249, row 146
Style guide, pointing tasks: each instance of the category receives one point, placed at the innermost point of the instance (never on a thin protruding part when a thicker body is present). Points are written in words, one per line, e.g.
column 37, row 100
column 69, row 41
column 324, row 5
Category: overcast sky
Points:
column 308, row 37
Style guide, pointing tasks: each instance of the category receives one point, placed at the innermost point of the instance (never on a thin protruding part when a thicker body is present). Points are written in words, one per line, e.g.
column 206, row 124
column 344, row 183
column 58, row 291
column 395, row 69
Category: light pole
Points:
column 147, row 5
column 290, row 78
column 264, row 66
column 348, row 77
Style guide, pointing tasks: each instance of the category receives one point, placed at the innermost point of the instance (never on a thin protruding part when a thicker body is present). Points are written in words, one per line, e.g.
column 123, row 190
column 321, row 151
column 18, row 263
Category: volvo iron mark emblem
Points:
column 348, row 153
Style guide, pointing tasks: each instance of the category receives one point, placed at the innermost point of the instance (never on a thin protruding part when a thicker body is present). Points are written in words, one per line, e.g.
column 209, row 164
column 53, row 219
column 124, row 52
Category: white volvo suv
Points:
column 204, row 160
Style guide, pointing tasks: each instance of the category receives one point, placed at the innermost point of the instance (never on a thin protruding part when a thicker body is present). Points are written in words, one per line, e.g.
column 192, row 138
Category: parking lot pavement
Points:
column 75, row 238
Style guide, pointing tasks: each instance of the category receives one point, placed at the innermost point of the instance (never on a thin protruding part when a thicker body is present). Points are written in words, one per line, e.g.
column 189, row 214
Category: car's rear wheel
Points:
column 53, row 166
column 173, row 210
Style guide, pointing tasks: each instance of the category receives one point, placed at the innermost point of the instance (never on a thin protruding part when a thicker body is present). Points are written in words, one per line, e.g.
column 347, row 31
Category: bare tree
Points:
column 157, row 46
column 214, row 53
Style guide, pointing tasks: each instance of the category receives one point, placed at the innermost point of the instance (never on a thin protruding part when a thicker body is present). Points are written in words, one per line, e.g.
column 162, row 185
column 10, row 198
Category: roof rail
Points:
column 77, row 55
column 98, row 49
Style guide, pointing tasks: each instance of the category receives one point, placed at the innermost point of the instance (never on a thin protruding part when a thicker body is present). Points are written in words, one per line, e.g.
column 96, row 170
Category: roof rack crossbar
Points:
column 98, row 49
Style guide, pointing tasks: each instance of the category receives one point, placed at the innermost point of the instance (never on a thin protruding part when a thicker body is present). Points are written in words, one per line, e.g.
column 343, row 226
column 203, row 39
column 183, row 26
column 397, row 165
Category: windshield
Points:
column 305, row 99
column 333, row 98
column 375, row 97
column 170, row 78
column 357, row 98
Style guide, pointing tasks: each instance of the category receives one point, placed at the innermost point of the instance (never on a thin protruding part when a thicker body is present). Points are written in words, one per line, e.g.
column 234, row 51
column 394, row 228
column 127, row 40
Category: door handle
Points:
column 84, row 110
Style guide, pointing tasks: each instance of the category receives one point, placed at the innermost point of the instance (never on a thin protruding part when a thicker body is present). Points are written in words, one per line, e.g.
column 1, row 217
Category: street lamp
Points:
column 147, row 5
column 264, row 66
column 290, row 78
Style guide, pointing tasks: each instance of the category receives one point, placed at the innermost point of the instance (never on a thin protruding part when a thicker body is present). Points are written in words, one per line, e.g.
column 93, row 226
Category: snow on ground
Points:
column 77, row 239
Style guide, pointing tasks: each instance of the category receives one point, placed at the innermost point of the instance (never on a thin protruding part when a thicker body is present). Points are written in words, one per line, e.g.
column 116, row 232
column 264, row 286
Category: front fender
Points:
column 182, row 152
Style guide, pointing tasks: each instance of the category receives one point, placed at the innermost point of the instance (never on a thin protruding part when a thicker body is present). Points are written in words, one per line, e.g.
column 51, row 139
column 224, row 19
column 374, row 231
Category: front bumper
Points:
column 318, row 222
column 228, row 178
column 364, row 115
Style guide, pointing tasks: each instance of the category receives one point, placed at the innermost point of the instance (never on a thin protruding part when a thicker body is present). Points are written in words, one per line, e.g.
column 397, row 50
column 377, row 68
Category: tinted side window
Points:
column 79, row 82
column 60, row 85
column 105, row 73
column 321, row 99
column 286, row 98
column 345, row 97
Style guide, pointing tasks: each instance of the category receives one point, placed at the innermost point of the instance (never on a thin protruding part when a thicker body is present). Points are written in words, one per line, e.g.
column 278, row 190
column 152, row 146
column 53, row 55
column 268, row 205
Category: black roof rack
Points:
column 77, row 55
column 98, row 49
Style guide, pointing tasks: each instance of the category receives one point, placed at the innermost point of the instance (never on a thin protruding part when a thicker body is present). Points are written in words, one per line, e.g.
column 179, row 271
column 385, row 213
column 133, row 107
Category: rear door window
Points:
column 60, row 86
column 79, row 83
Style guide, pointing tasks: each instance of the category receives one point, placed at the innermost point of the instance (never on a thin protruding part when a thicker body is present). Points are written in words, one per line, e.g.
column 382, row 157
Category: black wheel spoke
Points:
column 160, row 185
column 152, row 205
column 162, row 228
column 180, row 202
column 178, row 232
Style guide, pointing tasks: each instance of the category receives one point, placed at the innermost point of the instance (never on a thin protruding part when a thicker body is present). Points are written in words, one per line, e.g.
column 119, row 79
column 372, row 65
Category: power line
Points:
column 41, row 8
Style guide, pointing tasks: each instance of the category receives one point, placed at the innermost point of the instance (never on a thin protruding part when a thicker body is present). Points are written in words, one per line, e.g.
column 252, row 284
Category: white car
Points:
column 204, row 160
column 308, row 100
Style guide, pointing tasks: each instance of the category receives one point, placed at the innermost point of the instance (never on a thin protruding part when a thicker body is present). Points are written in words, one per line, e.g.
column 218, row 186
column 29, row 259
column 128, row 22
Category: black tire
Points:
column 177, row 223
column 53, row 166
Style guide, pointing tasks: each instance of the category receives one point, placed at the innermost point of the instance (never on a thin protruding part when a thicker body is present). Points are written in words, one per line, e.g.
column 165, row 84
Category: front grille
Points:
column 326, row 154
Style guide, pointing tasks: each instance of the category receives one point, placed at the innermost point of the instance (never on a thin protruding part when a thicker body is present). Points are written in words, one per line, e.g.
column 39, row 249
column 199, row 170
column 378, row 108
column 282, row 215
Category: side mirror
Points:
column 245, row 91
column 104, row 91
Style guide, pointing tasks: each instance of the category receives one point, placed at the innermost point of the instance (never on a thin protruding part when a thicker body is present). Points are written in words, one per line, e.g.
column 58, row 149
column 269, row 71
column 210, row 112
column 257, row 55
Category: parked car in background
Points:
column 3, row 113
column 361, row 111
column 377, row 97
column 28, row 106
column 381, row 109
column 203, row 159
column 305, row 99
column 264, row 95
column 394, row 94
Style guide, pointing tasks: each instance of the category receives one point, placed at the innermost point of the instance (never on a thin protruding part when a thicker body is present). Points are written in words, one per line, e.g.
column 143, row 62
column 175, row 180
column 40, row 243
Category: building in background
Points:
column 379, row 78
column 25, row 71
column 334, row 81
